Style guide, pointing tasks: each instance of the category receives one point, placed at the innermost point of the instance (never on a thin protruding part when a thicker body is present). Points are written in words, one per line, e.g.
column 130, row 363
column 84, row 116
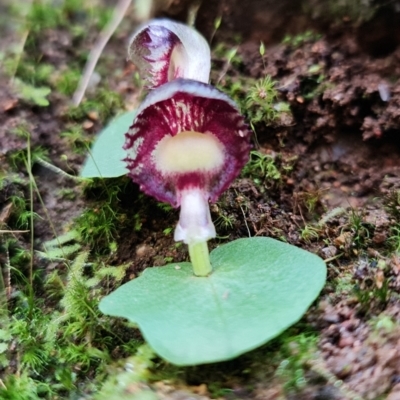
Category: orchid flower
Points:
column 186, row 145
column 164, row 50
column 188, row 141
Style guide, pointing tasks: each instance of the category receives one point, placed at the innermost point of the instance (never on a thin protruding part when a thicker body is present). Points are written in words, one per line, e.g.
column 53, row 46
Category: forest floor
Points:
column 323, row 175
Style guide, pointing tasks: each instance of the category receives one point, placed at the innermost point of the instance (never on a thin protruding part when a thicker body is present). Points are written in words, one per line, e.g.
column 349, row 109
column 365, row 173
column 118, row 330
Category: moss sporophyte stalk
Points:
column 187, row 143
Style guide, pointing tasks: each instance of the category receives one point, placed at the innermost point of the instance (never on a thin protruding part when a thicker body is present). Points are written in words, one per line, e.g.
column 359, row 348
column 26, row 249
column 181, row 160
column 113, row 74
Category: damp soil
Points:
column 339, row 158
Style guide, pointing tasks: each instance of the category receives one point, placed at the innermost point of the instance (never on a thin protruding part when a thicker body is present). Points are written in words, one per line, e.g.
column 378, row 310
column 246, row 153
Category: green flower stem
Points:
column 200, row 258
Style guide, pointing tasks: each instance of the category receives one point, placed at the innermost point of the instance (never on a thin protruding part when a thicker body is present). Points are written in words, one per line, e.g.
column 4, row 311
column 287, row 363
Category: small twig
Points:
column 245, row 221
column 25, row 34
column 328, row 260
column 57, row 170
column 6, row 231
column 95, row 53
column 32, row 230
column 19, row 55
column 8, row 275
column 5, row 283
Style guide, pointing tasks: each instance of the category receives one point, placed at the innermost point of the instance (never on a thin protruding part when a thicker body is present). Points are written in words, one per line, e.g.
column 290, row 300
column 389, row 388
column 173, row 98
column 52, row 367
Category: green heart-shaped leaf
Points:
column 258, row 288
column 107, row 153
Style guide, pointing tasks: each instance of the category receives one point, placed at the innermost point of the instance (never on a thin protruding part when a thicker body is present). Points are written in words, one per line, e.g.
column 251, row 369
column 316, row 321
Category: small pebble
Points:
column 346, row 341
column 93, row 115
column 328, row 252
column 142, row 250
column 87, row 125
column 332, row 318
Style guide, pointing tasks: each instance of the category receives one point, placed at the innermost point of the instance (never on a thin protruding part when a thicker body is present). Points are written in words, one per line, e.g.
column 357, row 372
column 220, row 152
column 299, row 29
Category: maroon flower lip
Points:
column 164, row 50
column 187, row 135
column 188, row 140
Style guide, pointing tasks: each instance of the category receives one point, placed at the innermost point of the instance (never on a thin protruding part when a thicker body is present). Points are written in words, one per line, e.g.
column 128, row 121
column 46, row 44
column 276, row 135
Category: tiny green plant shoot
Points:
column 188, row 141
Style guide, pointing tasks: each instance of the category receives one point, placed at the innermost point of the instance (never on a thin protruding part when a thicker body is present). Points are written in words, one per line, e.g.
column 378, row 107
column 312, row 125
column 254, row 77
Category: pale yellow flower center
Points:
column 188, row 151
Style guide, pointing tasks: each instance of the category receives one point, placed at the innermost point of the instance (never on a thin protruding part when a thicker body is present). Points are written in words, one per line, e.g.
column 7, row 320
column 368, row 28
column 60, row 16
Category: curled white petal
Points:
column 164, row 50
column 195, row 223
